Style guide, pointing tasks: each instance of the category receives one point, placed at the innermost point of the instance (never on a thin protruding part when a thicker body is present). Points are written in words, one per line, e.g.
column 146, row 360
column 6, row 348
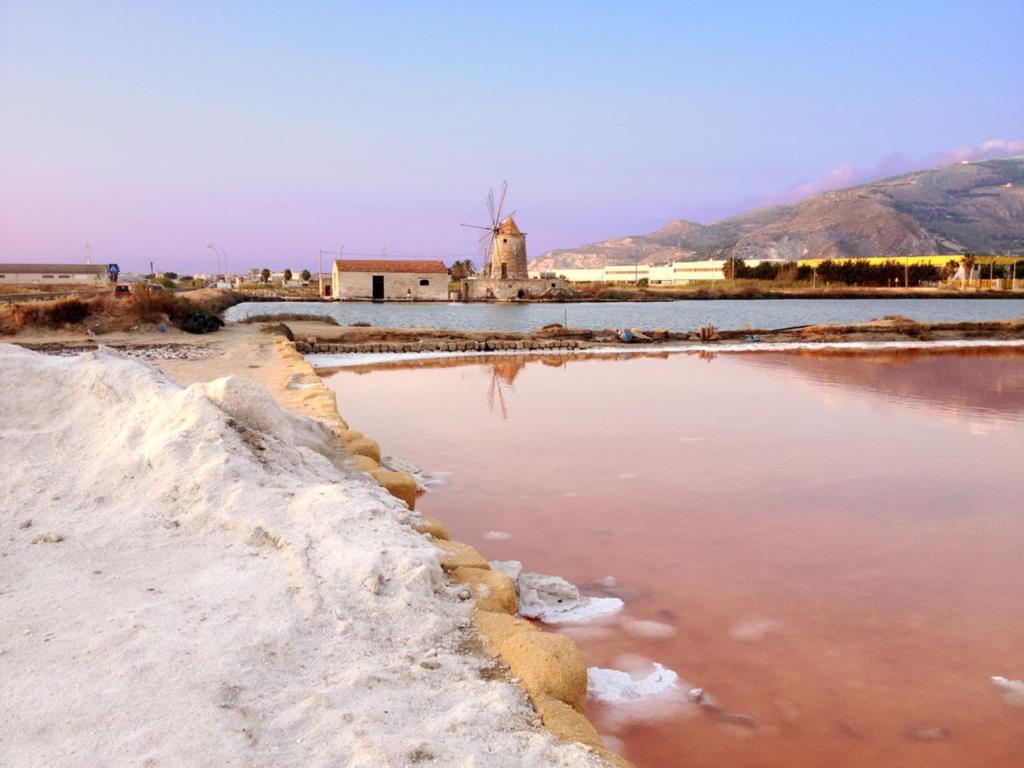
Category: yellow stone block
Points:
column 491, row 590
column 458, row 555
column 565, row 722
column 363, row 463
column 364, row 447
column 401, row 485
column 496, row 628
column 433, row 526
column 547, row 664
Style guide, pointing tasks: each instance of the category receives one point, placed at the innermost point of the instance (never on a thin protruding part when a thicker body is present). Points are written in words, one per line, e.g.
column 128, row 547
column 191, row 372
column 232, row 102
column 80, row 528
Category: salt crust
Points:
column 219, row 590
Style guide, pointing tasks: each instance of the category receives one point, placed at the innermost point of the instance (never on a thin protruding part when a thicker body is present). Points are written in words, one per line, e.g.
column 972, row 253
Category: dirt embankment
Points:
column 313, row 336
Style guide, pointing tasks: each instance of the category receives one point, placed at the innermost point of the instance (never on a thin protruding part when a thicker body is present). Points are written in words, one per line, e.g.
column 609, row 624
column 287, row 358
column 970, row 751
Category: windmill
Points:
column 502, row 245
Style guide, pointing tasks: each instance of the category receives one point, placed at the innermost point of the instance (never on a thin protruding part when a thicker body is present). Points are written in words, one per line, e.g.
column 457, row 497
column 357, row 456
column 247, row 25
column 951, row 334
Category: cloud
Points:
column 845, row 174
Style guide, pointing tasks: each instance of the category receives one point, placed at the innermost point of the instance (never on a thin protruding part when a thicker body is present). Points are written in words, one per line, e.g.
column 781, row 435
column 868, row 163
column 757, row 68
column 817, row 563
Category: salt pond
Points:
column 673, row 315
column 827, row 545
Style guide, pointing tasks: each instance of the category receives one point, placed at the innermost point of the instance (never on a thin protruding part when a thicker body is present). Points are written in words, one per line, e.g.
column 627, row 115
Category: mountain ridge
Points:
column 975, row 206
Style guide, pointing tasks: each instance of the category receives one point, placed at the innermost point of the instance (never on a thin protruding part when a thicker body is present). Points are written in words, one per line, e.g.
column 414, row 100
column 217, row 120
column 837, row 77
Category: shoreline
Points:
column 549, row 667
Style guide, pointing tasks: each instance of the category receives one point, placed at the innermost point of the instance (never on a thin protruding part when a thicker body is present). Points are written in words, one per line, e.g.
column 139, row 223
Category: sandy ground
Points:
column 237, row 349
column 189, row 576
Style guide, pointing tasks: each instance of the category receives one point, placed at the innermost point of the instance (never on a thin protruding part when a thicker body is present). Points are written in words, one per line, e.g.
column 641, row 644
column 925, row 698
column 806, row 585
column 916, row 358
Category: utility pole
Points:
column 906, row 271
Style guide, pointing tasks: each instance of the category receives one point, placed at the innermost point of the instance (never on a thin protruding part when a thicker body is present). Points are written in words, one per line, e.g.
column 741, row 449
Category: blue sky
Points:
column 274, row 130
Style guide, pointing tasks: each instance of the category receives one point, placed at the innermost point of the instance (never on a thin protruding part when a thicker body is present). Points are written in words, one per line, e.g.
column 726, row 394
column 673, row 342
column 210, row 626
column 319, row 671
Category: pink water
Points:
column 835, row 543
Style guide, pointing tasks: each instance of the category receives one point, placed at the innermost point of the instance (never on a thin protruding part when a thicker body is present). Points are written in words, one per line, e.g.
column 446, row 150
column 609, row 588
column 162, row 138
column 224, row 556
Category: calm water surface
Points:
column 832, row 545
column 673, row 315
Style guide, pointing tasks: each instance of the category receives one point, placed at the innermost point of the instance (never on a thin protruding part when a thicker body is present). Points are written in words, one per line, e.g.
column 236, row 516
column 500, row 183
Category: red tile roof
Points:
column 417, row 266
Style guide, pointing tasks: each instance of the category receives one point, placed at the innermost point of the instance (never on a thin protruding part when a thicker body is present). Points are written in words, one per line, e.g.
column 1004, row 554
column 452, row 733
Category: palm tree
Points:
column 967, row 261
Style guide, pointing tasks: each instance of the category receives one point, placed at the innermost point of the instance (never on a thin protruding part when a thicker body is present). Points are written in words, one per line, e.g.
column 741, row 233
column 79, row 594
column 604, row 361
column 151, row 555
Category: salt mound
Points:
column 191, row 577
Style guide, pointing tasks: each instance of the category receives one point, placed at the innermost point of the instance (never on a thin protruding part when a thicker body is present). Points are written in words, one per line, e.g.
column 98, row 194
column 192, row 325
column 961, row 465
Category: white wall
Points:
column 41, row 278
column 397, row 285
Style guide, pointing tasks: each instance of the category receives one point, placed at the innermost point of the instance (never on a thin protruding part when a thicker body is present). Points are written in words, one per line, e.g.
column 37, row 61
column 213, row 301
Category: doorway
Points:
column 378, row 287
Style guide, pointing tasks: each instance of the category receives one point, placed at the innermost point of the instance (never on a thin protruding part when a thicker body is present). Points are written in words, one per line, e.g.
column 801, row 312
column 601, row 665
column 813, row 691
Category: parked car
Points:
column 122, row 291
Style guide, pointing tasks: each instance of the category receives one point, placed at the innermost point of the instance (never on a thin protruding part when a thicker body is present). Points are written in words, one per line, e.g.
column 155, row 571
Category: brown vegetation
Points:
column 105, row 314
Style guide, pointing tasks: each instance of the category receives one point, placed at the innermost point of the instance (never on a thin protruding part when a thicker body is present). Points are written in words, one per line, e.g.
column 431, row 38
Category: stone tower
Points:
column 508, row 253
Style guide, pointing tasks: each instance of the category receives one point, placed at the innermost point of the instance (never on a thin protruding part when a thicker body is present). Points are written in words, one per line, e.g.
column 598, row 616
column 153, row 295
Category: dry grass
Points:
column 293, row 316
column 105, row 314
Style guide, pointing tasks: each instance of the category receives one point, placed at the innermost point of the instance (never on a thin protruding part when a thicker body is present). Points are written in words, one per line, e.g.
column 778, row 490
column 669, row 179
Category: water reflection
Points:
column 826, row 544
column 979, row 381
column 971, row 382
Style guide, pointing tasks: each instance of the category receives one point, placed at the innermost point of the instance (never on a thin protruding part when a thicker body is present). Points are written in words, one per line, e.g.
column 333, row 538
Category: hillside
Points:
column 975, row 207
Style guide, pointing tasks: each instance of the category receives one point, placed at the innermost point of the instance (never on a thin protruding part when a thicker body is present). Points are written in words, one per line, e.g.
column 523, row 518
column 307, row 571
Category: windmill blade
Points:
column 501, row 202
column 490, row 207
column 477, row 226
column 486, row 245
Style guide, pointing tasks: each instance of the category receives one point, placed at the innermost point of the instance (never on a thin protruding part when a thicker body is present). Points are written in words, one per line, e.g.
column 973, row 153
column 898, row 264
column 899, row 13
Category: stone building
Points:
column 508, row 252
column 505, row 278
column 389, row 280
column 46, row 274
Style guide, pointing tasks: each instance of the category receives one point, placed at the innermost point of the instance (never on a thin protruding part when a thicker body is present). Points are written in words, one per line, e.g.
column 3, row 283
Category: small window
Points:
column 424, row 282
column 2, row 276
column 504, row 239
column 66, row 277
column 47, row 277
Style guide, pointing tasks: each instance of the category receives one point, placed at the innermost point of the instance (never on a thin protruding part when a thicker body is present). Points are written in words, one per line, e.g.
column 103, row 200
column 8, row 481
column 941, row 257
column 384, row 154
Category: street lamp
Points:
column 220, row 254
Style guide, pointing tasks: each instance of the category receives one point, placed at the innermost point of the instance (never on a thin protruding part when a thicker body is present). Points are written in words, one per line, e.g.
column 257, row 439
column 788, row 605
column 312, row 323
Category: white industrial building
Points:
column 47, row 274
column 676, row 273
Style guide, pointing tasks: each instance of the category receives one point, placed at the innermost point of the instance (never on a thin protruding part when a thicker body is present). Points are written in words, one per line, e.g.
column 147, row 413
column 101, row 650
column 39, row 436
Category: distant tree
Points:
column 171, row 275
column 949, row 269
column 287, row 275
column 167, row 282
column 265, row 275
column 460, row 270
column 187, row 277
column 306, row 274
column 967, row 262
column 733, row 268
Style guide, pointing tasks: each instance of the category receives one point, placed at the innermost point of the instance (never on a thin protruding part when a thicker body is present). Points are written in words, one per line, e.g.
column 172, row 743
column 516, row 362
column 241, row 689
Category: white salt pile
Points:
column 188, row 577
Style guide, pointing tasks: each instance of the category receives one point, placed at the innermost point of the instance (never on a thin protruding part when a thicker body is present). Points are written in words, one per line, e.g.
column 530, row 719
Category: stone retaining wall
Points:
column 437, row 345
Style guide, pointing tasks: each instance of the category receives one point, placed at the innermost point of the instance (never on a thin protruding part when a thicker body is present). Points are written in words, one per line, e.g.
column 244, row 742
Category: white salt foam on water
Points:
column 554, row 600
column 650, row 693
column 587, row 609
column 497, row 536
column 614, row 686
column 649, row 630
column 1012, row 690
